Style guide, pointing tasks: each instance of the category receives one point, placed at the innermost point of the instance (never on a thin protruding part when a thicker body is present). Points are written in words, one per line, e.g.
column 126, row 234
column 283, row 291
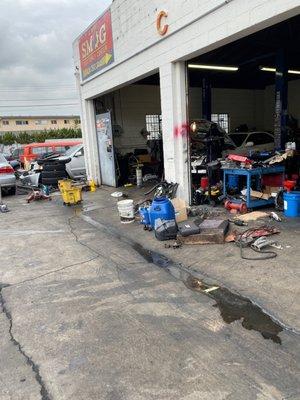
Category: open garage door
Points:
column 135, row 142
column 244, row 100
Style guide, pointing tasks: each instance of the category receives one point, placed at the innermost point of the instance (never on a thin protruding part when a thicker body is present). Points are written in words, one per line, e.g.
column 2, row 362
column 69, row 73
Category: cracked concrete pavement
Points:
column 85, row 317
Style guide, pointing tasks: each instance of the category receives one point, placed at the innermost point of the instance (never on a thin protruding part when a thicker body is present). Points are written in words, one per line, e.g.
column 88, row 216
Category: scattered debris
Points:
column 188, row 228
column 30, row 178
column 175, row 245
column 164, row 189
column 165, row 229
column 150, row 178
column 256, row 194
column 253, row 216
column 247, row 238
column 37, row 195
column 180, row 209
column 4, row 208
column 238, row 222
column 211, row 231
column 235, row 206
column 211, row 289
column 275, row 216
column 117, row 194
column 263, row 242
column 278, row 158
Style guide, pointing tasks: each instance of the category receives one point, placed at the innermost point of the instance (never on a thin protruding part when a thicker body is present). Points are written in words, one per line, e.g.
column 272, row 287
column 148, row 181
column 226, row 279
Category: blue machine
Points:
column 145, row 217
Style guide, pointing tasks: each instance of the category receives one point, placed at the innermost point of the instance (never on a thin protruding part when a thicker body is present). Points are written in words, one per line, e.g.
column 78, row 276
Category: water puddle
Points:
column 232, row 307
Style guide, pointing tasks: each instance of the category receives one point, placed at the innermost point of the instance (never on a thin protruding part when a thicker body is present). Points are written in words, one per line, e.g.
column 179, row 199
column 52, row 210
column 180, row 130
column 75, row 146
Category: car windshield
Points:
column 260, row 138
column 73, row 149
column 238, row 138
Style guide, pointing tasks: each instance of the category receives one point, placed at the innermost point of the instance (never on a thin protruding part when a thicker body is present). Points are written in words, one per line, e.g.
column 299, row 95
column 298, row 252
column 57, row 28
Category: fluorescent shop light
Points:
column 293, row 71
column 213, row 67
column 271, row 69
column 268, row 69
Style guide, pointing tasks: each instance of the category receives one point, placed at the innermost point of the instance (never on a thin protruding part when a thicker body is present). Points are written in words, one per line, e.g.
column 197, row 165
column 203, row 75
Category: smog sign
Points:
column 96, row 46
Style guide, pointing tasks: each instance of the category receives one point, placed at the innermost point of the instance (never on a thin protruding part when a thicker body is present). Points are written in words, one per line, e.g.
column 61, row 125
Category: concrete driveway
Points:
column 85, row 315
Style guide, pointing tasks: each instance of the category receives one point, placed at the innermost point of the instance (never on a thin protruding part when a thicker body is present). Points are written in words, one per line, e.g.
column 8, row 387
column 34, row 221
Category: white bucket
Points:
column 126, row 211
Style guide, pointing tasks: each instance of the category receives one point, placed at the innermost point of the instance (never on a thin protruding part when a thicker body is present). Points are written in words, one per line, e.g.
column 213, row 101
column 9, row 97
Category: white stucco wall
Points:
column 133, row 103
column 139, row 50
column 195, row 27
column 244, row 106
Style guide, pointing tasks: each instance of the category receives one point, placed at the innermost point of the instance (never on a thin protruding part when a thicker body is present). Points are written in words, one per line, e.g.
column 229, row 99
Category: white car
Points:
column 76, row 166
column 246, row 142
column 7, row 176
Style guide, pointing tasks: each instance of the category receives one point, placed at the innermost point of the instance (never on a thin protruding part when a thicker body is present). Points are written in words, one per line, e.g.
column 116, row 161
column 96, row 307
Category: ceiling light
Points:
column 268, row 69
column 213, row 67
column 293, row 71
column 271, row 69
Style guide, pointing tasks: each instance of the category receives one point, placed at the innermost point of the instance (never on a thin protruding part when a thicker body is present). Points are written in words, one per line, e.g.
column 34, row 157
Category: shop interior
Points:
column 232, row 110
column 135, row 113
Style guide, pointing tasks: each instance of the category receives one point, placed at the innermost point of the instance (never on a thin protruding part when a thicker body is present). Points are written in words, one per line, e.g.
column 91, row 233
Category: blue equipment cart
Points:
column 257, row 173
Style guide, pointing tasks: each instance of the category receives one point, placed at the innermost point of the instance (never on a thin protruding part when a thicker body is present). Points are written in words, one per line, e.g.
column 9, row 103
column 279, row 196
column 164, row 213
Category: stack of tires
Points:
column 52, row 172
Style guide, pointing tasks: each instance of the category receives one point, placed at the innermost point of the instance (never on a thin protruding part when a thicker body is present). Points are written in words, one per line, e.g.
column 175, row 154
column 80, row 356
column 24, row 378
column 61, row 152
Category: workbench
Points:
column 257, row 173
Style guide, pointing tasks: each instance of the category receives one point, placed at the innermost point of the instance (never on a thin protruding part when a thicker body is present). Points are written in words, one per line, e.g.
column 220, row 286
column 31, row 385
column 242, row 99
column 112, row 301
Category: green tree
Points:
column 39, row 136
column 24, row 138
column 8, row 138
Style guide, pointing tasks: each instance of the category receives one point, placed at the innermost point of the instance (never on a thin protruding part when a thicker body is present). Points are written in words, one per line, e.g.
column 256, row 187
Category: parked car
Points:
column 76, row 166
column 245, row 142
column 7, row 176
column 33, row 151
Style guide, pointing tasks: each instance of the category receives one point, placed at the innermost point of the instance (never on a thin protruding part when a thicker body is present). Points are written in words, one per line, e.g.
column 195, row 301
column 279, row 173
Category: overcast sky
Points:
column 36, row 53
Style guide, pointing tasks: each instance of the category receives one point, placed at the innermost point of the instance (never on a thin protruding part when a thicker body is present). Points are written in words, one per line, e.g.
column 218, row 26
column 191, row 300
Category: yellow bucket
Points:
column 71, row 194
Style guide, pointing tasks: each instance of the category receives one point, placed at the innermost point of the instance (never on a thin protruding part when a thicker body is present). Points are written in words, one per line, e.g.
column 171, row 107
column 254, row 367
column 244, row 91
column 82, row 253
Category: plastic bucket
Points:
column 162, row 208
column 291, row 201
column 126, row 211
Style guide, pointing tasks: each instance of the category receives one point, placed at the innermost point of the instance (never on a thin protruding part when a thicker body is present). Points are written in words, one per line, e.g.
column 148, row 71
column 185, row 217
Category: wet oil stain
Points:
column 232, row 306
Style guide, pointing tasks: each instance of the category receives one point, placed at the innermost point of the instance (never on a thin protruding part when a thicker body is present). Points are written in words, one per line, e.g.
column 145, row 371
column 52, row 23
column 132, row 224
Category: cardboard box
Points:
column 259, row 195
column 180, row 210
column 144, row 158
column 271, row 189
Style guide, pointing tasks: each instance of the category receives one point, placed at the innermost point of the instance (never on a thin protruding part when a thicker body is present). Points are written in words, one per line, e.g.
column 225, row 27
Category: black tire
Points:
column 54, row 174
column 54, row 167
column 50, row 181
column 12, row 191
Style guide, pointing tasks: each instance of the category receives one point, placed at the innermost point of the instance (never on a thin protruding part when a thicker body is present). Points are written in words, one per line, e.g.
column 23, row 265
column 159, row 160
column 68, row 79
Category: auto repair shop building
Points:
column 157, row 65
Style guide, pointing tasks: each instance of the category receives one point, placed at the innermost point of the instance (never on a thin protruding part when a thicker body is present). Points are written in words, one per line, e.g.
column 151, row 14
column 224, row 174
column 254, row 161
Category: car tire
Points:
column 54, row 174
column 50, row 181
column 12, row 191
column 54, row 167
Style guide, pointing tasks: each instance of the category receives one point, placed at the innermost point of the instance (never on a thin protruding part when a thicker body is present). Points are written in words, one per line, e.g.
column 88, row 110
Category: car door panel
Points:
column 76, row 167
